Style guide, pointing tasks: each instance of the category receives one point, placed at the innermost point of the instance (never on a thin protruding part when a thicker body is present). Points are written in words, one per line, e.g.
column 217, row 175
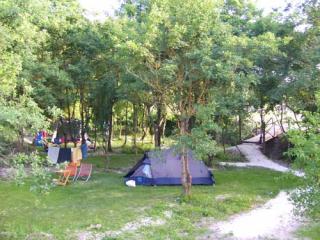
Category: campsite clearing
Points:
column 107, row 201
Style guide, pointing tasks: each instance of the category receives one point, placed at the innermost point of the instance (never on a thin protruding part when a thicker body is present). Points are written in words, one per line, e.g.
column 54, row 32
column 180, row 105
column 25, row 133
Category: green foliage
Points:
column 230, row 156
column 26, row 30
column 21, row 115
column 305, row 84
column 19, row 161
column 305, row 152
column 200, row 139
column 39, row 178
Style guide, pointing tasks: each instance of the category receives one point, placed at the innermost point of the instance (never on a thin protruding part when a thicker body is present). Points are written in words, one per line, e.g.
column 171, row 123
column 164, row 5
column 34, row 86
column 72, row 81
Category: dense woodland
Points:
column 191, row 70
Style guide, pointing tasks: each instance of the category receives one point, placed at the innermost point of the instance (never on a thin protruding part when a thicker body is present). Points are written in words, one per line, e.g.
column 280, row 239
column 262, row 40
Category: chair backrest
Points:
column 72, row 168
column 85, row 169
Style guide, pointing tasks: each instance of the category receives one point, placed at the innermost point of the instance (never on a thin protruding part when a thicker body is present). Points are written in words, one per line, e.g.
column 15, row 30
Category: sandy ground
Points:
column 273, row 220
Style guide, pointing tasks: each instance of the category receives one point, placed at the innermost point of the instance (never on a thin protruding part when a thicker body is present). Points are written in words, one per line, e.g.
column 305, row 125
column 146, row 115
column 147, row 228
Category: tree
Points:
column 305, row 76
column 175, row 45
column 305, row 151
column 21, row 116
column 22, row 40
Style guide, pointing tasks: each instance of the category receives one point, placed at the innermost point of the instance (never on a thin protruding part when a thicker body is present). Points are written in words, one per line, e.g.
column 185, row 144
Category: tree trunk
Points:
column 263, row 131
column 120, row 132
column 164, row 129
column 110, row 129
column 83, row 140
column 158, row 126
column 95, row 137
column 186, row 178
column 223, row 140
column 69, row 124
column 64, row 131
column 21, row 140
column 281, row 118
column 126, row 127
column 240, row 128
column 144, row 132
column 135, row 124
column 149, row 123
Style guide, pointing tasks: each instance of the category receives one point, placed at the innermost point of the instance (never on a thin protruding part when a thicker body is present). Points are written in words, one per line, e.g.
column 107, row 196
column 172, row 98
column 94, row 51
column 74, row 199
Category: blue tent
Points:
column 164, row 168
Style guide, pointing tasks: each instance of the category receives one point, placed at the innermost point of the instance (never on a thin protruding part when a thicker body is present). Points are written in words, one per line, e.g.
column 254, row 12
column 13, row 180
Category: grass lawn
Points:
column 311, row 231
column 117, row 161
column 107, row 201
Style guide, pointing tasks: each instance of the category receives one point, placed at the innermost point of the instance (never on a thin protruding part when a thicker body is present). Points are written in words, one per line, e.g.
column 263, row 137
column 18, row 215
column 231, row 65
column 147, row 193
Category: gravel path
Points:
column 273, row 220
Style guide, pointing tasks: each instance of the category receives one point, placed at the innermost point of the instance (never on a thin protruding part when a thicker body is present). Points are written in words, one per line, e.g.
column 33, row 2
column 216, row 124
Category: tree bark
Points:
column 144, row 132
column 64, row 131
column 110, row 129
column 159, row 124
column 164, row 129
column 126, row 127
column 69, row 124
column 281, row 119
column 157, row 131
column 240, row 128
column 186, row 178
column 95, row 137
column 263, row 131
column 83, row 140
column 120, row 131
column 135, row 124
column 223, row 140
column 150, row 123
column 21, row 140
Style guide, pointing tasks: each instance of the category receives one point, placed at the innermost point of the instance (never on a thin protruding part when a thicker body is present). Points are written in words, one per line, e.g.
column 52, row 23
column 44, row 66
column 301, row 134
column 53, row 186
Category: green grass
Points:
column 311, row 231
column 117, row 161
column 106, row 200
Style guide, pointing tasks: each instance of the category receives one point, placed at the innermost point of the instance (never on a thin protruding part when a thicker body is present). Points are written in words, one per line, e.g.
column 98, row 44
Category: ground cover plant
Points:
column 68, row 211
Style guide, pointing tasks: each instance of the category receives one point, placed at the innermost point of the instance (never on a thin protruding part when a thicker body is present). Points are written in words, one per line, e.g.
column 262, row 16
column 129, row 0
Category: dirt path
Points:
column 273, row 220
column 257, row 159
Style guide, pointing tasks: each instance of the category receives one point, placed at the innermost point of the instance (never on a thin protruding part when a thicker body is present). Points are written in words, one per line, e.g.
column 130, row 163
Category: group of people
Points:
column 42, row 137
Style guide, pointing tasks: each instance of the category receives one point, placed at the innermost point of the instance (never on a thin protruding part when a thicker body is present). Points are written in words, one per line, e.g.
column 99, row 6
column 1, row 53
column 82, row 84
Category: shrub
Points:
column 41, row 179
column 305, row 151
column 307, row 156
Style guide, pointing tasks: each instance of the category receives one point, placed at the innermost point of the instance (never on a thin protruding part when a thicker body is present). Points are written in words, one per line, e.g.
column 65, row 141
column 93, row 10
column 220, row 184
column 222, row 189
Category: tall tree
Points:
column 174, row 45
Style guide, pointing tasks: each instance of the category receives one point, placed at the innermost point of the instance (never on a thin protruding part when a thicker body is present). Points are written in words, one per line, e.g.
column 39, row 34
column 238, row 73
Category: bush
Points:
column 307, row 157
column 19, row 161
column 305, row 151
column 41, row 178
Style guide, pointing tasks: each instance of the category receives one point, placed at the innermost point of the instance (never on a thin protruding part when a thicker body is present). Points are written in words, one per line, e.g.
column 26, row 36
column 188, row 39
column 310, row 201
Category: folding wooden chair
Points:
column 84, row 172
column 64, row 177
